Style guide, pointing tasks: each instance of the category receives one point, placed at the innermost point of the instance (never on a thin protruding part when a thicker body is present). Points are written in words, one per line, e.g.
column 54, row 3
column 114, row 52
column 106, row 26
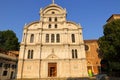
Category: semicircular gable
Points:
column 52, row 56
column 53, row 7
column 49, row 11
column 73, row 25
column 32, row 25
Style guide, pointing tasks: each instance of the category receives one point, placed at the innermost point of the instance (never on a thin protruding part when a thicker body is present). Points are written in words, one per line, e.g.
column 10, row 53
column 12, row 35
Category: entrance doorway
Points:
column 52, row 69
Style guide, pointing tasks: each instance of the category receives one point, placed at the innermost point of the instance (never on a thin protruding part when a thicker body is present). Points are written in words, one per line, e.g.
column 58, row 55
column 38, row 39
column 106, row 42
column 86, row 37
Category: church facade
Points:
column 52, row 47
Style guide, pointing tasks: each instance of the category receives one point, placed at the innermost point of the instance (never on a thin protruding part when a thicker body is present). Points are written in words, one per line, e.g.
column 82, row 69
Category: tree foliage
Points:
column 8, row 40
column 109, row 44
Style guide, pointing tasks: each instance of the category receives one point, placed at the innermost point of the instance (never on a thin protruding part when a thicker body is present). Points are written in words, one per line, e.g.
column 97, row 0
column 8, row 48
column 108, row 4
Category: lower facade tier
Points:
column 52, row 68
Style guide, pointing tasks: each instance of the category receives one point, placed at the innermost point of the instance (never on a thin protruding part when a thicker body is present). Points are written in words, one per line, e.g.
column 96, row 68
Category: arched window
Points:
column 49, row 26
column 76, row 53
column 50, row 19
column 32, row 38
column 72, row 53
column 52, row 38
column 57, row 37
column 29, row 53
column 55, row 25
column 55, row 19
column 47, row 38
column 73, row 37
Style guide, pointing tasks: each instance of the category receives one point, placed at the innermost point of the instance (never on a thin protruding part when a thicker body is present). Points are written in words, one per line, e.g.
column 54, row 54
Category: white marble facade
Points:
column 52, row 47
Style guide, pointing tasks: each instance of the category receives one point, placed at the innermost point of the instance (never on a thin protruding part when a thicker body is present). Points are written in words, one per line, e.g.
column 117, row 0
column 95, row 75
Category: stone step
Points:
column 54, row 79
column 61, row 79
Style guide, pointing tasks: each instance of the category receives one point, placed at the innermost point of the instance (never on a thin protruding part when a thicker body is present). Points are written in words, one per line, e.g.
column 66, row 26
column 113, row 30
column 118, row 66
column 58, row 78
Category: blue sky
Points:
column 91, row 14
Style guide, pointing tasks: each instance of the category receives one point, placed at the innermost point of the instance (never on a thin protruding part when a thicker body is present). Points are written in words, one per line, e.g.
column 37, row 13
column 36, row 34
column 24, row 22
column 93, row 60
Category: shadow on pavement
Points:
column 78, row 79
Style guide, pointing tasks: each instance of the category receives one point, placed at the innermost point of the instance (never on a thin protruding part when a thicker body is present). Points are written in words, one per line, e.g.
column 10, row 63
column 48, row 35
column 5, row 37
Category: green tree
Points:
column 8, row 40
column 109, row 44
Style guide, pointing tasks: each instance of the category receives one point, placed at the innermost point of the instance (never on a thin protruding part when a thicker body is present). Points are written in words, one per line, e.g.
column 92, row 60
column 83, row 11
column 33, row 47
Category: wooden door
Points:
column 52, row 69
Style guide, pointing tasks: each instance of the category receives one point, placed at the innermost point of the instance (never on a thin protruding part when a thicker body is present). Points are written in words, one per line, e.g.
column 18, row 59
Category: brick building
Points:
column 93, row 60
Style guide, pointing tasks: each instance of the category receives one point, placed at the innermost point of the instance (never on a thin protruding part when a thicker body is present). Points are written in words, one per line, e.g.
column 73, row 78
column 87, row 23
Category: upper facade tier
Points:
column 52, row 10
column 52, row 17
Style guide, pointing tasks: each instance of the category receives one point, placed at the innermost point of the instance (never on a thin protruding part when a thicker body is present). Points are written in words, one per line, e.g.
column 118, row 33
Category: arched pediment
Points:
column 50, row 11
column 52, row 56
column 53, row 8
column 32, row 25
column 73, row 25
column 89, row 62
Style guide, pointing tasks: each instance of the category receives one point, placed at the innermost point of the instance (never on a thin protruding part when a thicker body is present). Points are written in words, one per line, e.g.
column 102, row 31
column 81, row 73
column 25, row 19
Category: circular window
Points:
column 53, row 12
column 86, row 47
